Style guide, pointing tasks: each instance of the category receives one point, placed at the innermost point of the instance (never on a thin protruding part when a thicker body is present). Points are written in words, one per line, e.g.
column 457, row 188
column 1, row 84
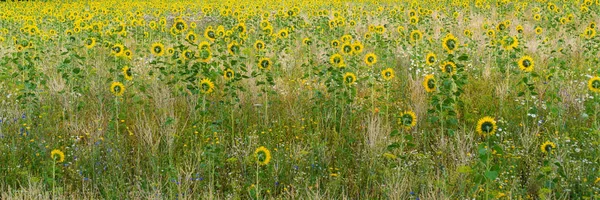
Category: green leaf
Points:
column 491, row 175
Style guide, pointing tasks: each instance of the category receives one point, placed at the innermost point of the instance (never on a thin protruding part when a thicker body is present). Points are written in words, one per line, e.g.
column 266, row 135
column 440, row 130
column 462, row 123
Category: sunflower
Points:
column 57, row 155
column 262, row 155
column 430, row 58
column 157, row 49
column 170, row 51
column 538, row 30
column 537, row 17
column 590, row 33
column 179, row 25
column 414, row 20
column 117, row 88
column 594, row 84
column 370, row 59
column 337, row 60
column 228, row 74
column 349, row 78
column 468, row 33
column 387, row 74
column 450, row 43
column 283, row 33
column 519, row 29
column 486, row 126
column 233, row 48
column 118, row 50
column 210, row 34
column 509, row 43
column 416, row 35
column 547, row 147
column 501, row 26
column 205, row 55
column 127, row 53
column 90, row 43
column 407, row 119
column 357, row 47
column 429, row 83
column 206, row 86
column 264, row 64
column 335, row 43
column 127, row 73
column 307, row 41
column 188, row 55
column 259, row 45
column 346, row 48
column 491, row 33
column 526, row 63
column 448, row 67
column 191, row 37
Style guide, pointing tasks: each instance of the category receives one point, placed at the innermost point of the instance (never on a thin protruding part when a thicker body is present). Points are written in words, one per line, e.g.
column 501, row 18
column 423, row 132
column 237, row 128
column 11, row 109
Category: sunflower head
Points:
column 228, row 74
column 430, row 58
column 357, row 47
column 486, row 126
column 407, row 119
column 233, row 48
column 349, row 78
column 262, row 155
column 387, row 74
column 259, row 45
column 118, row 50
column 127, row 73
column 90, row 43
column 547, row 147
column 509, row 43
column 594, row 84
column 307, row 41
column 346, row 48
column 206, row 86
column 179, row 25
column 204, row 55
column 526, row 64
column 264, row 64
column 117, row 88
column 337, row 60
column 450, row 43
column 157, row 49
column 191, row 37
column 429, row 83
column 416, row 35
column 57, row 155
column 448, row 67
column 370, row 59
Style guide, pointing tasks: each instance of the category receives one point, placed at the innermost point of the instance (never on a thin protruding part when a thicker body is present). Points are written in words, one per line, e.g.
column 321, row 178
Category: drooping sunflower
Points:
column 430, row 58
column 127, row 73
column 370, row 59
column 407, row 119
column 429, row 83
column 117, row 50
column 228, row 74
column 450, row 43
column 264, row 64
column 448, row 67
column 387, row 74
column 486, row 126
column 157, row 49
column 262, row 155
column 90, row 43
column 594, row 84
column 57, row 155
column 117, row 88
column 337, row 60
column 547, row 147
column 349, row 78
column 526, row 64
column 206, row 86
column 509, row 43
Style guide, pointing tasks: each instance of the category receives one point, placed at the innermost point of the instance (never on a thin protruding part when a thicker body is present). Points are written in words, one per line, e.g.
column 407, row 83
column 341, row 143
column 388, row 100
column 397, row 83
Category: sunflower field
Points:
column 307, row 99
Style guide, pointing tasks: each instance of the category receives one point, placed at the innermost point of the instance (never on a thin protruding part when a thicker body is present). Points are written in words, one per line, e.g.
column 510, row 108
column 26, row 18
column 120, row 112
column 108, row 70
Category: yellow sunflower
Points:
column 346, row 48
column 264, row 64
column 337, row 60
column 387, row 74
column 157, row 49
column 450, row 43
column 526, row 64
column 57, row 155
column 262, row 155
column 233, row 48
column 228, row 74
column 349, row 78
column 594, row 84
column 206, row 86
column 204, row 55
column 590, row 33
column 407, row 119
column 509, row 43
column 486, row 126
column 118, row 49
column 90, row 43
column 370, row 59
column 357, row 47
column 430, row 58
column 429, row 83
column 127, row 73
column 547, row 147
column 117, row 88
column 416, row 35
column 448, row 67
column 191, row 37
